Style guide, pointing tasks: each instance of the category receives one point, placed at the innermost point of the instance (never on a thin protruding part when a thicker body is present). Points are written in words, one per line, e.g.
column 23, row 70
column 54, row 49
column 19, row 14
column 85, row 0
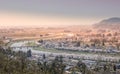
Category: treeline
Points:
column 18, row 63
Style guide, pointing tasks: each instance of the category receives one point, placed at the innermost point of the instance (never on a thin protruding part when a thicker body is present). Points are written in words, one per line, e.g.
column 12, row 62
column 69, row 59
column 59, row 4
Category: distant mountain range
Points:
column 110, row 23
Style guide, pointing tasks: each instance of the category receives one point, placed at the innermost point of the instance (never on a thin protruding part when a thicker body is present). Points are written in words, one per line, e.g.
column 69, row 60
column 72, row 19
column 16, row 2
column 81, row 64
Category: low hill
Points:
column 110, row 23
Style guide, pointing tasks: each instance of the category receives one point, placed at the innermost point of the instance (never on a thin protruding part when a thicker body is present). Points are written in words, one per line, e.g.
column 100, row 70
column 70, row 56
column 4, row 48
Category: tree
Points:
column 29, row 53
column 57, row 66
column 82, row 67
column 41, row 41
column 114, row 67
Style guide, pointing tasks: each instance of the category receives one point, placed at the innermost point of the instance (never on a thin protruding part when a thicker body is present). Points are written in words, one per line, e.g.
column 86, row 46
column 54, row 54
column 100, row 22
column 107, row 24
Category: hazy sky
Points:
column 56, row 12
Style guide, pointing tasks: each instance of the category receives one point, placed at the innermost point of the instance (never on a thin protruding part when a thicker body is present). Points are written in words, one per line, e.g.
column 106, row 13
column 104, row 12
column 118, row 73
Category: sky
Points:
column 56, row 12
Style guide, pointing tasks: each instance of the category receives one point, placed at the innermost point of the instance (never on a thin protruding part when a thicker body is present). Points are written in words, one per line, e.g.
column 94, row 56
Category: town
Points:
column 97, row 48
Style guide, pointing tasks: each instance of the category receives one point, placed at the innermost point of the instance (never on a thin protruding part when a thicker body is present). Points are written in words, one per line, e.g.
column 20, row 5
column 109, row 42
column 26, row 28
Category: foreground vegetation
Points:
column 20, row 63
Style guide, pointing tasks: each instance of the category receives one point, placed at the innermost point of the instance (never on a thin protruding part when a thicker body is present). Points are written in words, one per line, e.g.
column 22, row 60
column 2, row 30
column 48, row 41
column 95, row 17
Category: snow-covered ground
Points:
column 64, row 54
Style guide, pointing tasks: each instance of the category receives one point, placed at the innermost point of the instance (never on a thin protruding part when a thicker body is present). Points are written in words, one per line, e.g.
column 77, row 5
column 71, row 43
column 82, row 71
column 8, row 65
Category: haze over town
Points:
column 59, row 37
